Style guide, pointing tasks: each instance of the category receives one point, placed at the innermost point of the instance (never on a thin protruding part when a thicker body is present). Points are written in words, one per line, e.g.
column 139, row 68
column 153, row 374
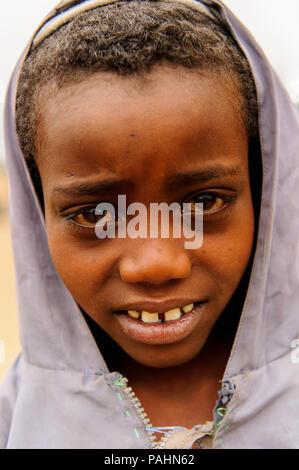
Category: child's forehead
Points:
column 173, row 83
column 166, row 92
column 178, row 118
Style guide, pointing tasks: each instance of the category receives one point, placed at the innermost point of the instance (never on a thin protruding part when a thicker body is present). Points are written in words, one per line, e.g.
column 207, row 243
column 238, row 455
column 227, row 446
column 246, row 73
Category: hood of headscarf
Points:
column 60, row 394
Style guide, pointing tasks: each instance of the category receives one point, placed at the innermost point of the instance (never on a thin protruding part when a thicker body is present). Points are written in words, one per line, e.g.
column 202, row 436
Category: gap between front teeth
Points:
column 170, row 315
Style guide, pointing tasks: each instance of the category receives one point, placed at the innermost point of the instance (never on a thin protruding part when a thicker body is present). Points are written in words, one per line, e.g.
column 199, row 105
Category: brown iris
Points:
column 211, row 203
column 88, row 217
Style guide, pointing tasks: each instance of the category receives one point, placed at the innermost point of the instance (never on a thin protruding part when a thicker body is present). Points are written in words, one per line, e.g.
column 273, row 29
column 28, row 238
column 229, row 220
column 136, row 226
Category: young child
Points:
column 138, row 342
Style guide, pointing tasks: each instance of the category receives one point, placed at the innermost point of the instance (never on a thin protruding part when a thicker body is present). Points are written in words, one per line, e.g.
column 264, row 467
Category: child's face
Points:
column 169, row 137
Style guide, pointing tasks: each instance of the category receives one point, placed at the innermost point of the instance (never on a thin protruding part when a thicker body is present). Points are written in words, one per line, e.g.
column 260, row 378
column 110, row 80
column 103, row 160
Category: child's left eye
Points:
column 212, row 202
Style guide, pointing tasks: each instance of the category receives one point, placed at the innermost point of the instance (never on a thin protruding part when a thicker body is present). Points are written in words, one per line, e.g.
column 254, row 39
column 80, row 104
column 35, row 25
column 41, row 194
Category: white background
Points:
column 274, row 23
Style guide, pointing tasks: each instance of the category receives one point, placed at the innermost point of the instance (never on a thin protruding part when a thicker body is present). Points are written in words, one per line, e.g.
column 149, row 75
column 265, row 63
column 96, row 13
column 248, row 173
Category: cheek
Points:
column 83, row 266
column 226, row 251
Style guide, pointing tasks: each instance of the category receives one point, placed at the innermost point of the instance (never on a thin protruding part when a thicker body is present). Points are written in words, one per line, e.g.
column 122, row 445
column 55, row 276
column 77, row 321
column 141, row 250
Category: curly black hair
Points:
column 130, row 37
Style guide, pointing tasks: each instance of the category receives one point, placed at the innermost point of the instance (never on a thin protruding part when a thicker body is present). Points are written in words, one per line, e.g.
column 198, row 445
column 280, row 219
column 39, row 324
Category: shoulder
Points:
column 8, row 395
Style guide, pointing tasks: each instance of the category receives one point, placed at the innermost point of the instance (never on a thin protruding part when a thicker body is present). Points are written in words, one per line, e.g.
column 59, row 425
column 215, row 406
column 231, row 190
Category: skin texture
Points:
column 143, row 132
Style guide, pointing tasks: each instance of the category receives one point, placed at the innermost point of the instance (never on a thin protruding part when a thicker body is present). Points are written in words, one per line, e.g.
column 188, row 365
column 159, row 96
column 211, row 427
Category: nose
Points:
column 155, row 262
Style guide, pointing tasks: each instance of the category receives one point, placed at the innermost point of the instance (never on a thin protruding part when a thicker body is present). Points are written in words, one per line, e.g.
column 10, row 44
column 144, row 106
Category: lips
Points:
column 160, row 327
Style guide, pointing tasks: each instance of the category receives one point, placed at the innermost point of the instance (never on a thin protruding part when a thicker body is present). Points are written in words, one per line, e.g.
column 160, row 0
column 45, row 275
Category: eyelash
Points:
column 228, row 199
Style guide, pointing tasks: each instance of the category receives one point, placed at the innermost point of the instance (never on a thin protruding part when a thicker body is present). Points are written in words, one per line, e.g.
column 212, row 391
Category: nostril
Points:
column 154, row 271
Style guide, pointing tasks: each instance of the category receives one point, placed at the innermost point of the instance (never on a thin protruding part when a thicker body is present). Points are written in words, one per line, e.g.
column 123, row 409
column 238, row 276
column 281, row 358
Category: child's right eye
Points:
column 88, row 218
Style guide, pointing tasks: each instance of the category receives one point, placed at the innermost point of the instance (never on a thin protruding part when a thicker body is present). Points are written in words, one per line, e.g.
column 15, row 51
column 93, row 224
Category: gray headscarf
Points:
column 57, row 395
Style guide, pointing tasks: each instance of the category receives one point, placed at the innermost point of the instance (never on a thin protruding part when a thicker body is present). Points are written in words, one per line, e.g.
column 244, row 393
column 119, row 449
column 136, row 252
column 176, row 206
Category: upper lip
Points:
column 153, row 306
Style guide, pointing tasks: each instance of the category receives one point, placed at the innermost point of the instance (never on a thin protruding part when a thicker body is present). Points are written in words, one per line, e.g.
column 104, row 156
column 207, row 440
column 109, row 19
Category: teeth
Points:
column 188, row 308
column 133, row 313
column 147, row 317
column 173, row 314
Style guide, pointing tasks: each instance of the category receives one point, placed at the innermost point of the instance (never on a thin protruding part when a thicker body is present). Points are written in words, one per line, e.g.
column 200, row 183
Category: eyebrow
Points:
column 211, row 173
column 90, row 189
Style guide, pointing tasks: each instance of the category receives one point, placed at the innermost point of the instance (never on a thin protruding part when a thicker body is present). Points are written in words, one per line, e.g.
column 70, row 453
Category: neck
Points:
column 183, row 395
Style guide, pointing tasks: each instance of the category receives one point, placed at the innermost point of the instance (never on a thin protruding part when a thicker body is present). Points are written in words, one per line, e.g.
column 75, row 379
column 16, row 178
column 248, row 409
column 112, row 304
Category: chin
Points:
column 163, row 357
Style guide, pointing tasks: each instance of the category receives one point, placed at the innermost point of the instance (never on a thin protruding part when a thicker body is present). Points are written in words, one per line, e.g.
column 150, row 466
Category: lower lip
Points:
column 161, row 333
